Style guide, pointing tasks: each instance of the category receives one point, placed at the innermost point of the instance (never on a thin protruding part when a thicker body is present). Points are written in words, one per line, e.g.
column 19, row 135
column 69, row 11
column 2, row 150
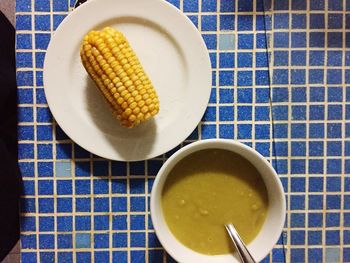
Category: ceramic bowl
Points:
column 271, row 229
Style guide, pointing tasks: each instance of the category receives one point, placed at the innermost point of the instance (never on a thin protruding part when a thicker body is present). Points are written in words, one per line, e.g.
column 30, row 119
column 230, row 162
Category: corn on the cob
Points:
column 119, row 75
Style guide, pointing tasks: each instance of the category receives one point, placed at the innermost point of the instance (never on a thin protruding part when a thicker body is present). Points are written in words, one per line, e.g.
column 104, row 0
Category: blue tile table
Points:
column 280, row 83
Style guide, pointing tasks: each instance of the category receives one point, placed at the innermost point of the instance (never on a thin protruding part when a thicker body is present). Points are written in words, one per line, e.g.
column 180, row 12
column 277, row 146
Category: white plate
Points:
column 173, row 54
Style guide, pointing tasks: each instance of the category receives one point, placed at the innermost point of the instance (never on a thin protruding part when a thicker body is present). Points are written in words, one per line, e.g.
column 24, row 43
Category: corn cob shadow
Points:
column 101, row 114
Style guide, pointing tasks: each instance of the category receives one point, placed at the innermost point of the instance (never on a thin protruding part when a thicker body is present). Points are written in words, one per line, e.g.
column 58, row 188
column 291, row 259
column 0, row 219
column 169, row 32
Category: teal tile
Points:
column 63, row 169
column 227, row 42
column 82, row 240
column 332, row 254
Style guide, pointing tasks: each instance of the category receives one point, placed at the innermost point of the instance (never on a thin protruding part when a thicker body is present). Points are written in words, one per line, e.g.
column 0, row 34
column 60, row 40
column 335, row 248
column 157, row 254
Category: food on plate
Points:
column 208, row 189
column 113, row 65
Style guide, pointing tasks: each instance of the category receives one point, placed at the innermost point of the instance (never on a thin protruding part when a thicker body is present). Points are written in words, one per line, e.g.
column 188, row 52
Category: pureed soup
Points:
column 208, row 189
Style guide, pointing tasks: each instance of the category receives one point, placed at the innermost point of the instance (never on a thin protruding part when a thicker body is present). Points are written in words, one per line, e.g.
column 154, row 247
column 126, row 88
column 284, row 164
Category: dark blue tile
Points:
column 209, row 6
column 82, row 187
column 333, row 237
column 244, row 131
column 281, row 58
column 226, row 95
column 42, row 23
column 245, row 5
column 100, row 168
column 101, row 187
column 262, row 113
column 137, row 256
column 46, row 205
column 64, row 205
column 261, row 59
column 210, row 114
column 24, row 60
column 334, row 148
column 298, row 21
column 66, row 257
column 314, row 237
column 262, row 95
column 298, row 185
column 45, row 187
column 137, row 204
column 101, row 256
column 101, row 204
column 64, row 223
column 227, row 6
column 47, row 257
column 332, row 220
column 119, row 186
column 45, row 169
column 298, row 39
column 120, row 240
column 25, row 6
column 281, row 21
column 101, row 222
column 28, row 241
column 64, row 151
column 335, row 112
column 280, row 76
column 101, row 240
column 316, row 166
column 226, row 113
column 83, row 257
column 316, row 39
column 332, row 202
column 297, row 166
column 244, row 78
column 298, row 237
column 315, row 220
column 317, row 21
column 82, row 223
column 25, row 95
column 315, row 184
column 119, row 222
column 297, row 220
column 60, row 6
column 210, row 41
column 208, row 131
column 227, row 22
column 82, row 168
column 335, row 39
column 226, row 131
column 245, row 41
column 42, row 40
column 227, row 60
column 64, row 187
column 119, row 204
column 298, row 254
column 44, row 132
column 190, row 5
column 244, row 113
column 137, row 239
column 209, row 22
column 245, row 23
column 42, row 5
column 335, row 5
column 297, row 202
column 46, row 241
column 120, row 256
column 57, row 19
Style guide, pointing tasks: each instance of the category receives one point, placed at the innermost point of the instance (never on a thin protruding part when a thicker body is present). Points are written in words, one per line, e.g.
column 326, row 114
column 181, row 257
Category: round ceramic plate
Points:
column 174, row 56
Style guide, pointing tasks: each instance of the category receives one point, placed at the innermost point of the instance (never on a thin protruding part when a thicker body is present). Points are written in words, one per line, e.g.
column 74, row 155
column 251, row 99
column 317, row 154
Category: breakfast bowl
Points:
column 217, row 151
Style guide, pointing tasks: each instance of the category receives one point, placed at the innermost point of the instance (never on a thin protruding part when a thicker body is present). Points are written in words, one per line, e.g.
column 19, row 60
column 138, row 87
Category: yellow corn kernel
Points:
column 110, row 61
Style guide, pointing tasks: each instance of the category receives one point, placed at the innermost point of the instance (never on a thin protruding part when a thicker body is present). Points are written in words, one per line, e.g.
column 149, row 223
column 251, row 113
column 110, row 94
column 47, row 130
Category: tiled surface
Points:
column 309, row 63
column 77, row 207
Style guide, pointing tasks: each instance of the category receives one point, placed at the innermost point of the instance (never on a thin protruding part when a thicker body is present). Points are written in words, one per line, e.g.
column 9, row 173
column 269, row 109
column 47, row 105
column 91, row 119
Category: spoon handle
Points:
column 241, row 248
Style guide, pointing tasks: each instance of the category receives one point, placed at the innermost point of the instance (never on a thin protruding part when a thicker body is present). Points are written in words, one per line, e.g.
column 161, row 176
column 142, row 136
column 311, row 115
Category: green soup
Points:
column 208, row 189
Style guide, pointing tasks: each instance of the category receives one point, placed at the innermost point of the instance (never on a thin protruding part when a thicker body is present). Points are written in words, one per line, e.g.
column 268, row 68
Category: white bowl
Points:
column 271, row 229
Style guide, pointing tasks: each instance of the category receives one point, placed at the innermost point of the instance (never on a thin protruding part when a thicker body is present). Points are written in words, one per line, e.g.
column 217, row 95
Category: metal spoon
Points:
column 241, row 248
